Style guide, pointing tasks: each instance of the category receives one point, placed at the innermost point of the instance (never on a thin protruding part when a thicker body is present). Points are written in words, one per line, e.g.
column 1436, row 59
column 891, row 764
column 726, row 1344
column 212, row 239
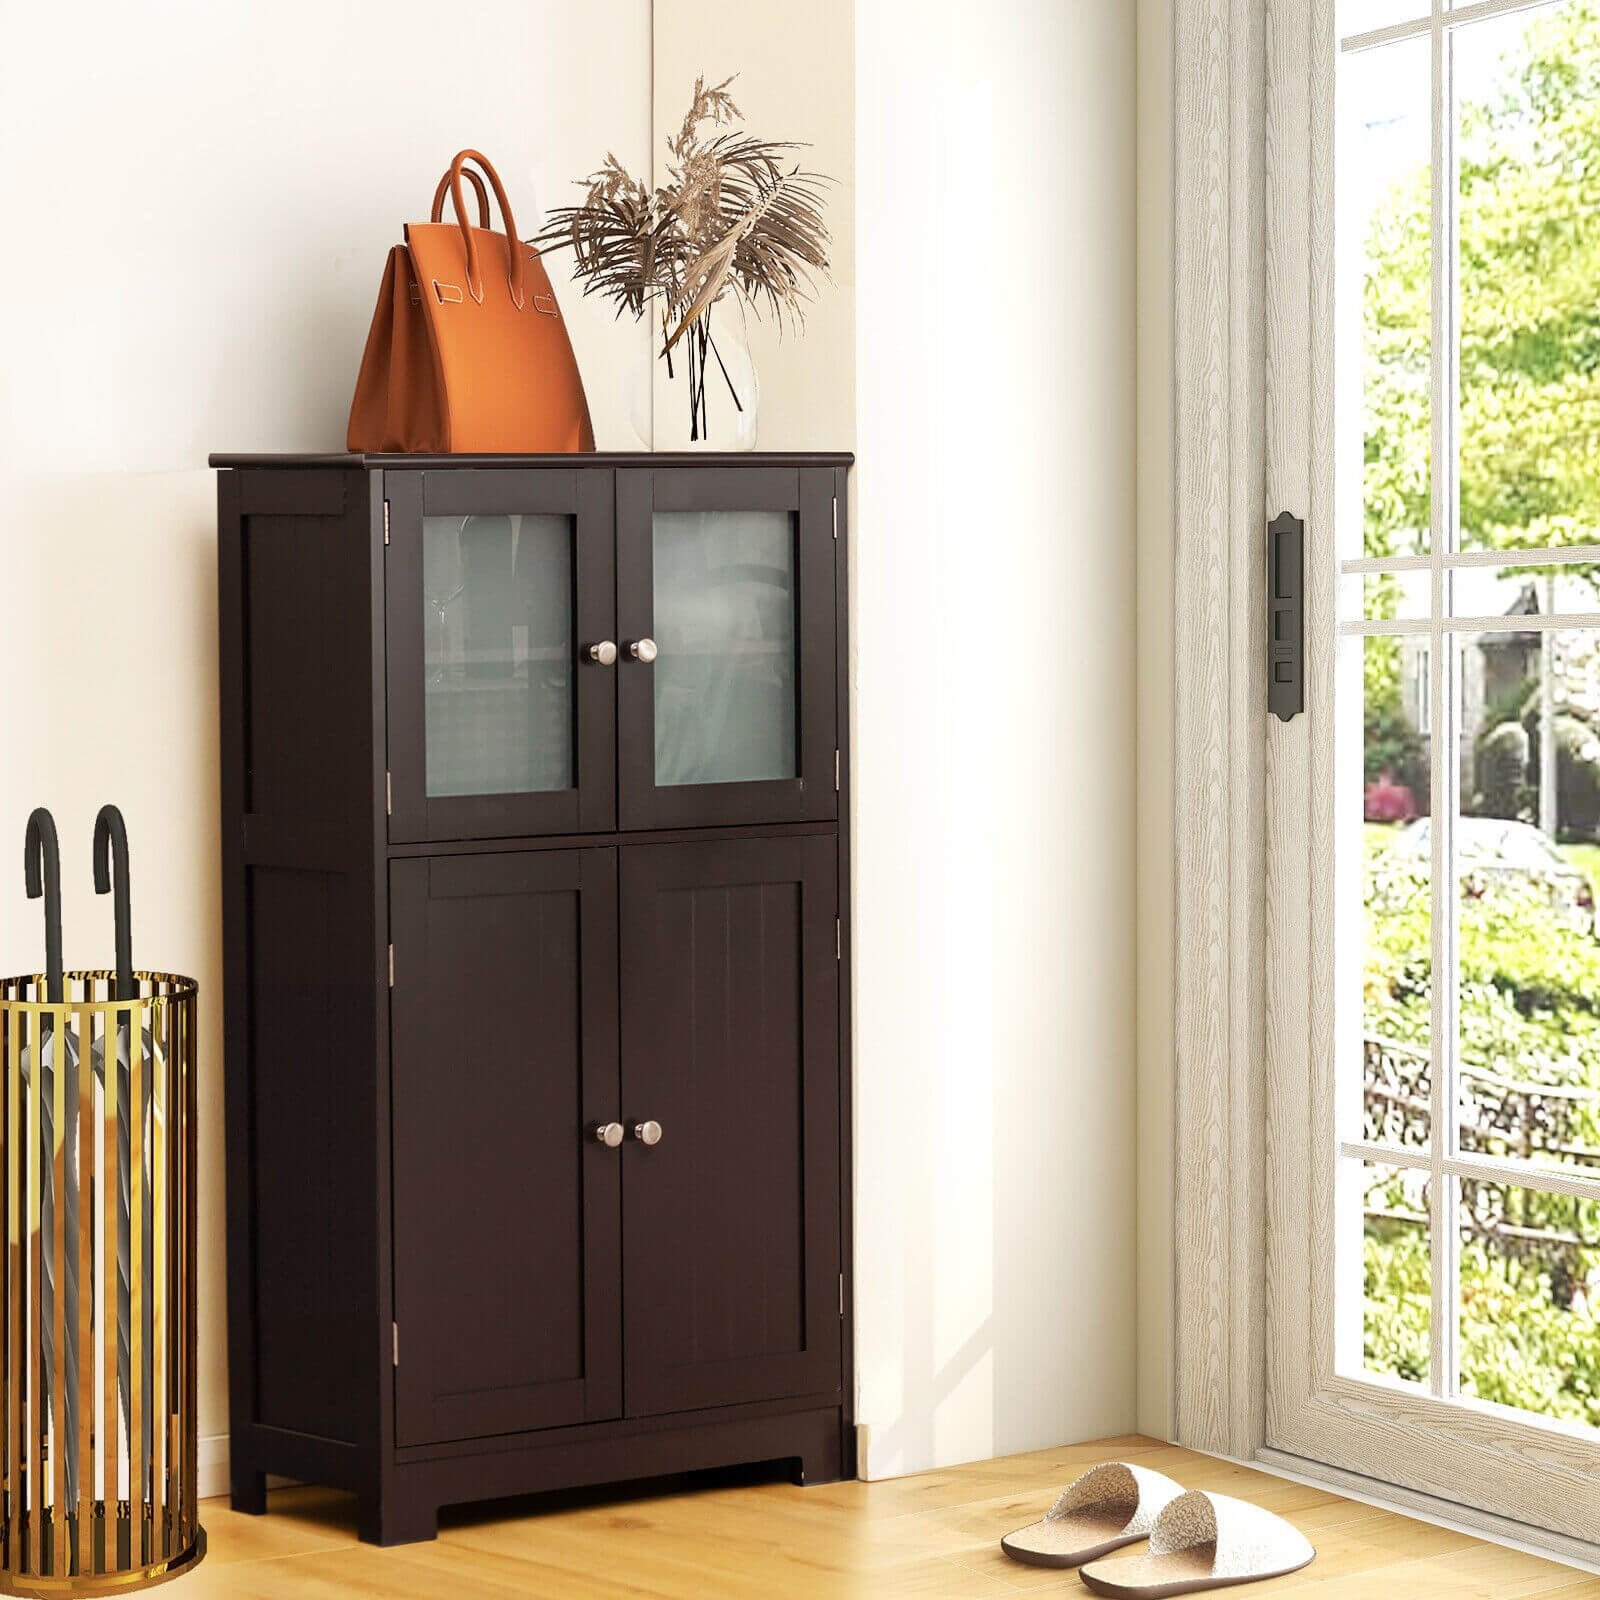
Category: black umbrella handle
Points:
column 41, row 864
column 111, row 864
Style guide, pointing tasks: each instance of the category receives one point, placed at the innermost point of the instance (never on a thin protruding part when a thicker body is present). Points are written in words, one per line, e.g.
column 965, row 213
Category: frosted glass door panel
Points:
column 724, row 610
column 498, row 653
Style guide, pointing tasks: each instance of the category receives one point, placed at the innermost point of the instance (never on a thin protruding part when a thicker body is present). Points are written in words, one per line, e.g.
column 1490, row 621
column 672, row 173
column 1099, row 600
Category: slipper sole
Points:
column 1073, row 1558
column 1164, row 1591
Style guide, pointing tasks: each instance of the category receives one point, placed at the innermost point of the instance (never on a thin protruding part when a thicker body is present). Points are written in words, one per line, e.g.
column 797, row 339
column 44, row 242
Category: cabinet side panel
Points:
column 302, row 1002
column 304, row 678
column 306, row 1043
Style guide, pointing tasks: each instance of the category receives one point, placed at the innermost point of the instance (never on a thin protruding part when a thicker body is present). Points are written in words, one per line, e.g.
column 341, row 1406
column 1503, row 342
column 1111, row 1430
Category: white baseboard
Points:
column 212, row 1469
column 213, row 1465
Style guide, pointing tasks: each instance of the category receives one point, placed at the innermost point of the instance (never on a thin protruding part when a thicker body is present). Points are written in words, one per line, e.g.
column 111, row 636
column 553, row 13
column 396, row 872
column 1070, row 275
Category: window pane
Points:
column 1526, row 86
column 1387, row 595
column 1397, row 1273
column 1362, row 16
column 497, row 653
column 725, row 626
column 1530, row 1267
column 1397, row 961
column 1511, row 590
column 1384, row 295
column 1527, row 847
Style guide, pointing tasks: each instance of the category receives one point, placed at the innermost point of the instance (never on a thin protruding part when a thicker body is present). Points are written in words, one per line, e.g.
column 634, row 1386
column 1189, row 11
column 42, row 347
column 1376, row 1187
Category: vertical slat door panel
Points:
column 505, row 1209
column 730, row 1042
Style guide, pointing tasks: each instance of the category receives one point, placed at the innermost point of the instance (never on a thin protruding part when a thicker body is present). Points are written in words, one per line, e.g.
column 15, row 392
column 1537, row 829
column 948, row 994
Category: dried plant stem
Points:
column 696, row 390
column 734, row 393
column 704, row 418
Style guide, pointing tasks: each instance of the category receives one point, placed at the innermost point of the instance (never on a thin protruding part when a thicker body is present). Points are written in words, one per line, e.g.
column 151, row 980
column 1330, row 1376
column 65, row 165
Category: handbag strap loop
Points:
column 513, row 253
column 485, row 221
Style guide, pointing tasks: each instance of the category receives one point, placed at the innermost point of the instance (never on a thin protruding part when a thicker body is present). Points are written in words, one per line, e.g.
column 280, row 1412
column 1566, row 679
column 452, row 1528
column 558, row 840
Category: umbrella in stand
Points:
column 97, row 1072
column 111, row 875
column 58, row 1060
column 58, row 1045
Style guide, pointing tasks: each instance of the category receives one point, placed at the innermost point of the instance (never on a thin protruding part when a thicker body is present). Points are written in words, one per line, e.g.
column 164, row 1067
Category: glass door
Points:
column 725, row 611
column 501, row 654
column 1450, row 1335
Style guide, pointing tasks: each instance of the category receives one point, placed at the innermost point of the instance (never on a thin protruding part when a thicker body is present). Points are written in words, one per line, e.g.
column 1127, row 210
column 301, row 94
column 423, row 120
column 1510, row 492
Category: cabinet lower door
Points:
column 730, row 1043
column 506, row 1209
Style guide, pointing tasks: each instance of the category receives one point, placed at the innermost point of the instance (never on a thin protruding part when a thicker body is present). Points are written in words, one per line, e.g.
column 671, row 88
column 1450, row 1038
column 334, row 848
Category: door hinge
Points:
column 836, row 772
column 388, row 794
column 391, row 966
column 841, row 1294
column 394, row 1331
column 1285, row 616
column 838, row 939
column 386, row 522
column 836, row 516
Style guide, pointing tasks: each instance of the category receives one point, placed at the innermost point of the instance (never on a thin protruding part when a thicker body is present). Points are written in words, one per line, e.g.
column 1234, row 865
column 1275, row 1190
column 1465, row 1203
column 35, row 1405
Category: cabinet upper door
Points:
column 506, row 1208
column 726, row 619
column 730, row 1046
column 501, row 722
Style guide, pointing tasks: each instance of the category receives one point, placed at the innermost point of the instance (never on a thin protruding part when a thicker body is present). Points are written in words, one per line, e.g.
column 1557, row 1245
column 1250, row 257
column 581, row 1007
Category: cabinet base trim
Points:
column 813, row 1440
column 818, row 1442
column 618, row 1428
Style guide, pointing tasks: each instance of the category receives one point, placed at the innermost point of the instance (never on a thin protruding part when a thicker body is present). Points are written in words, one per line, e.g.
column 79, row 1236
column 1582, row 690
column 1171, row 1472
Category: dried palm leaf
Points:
column 735, row 213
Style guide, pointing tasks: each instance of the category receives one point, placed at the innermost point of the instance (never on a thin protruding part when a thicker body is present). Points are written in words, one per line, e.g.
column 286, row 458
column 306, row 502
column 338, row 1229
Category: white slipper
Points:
column 1109, row 1506
column 1203, row 1541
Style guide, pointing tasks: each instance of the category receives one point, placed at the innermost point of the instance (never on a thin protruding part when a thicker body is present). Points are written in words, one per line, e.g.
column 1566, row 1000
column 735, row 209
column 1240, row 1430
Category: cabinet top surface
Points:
column 594, row 458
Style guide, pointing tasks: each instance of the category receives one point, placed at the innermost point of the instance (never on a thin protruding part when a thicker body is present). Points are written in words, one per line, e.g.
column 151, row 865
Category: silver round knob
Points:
column 605, row 652
column 643, row 650
column 609, row 1134
column 647, row 1132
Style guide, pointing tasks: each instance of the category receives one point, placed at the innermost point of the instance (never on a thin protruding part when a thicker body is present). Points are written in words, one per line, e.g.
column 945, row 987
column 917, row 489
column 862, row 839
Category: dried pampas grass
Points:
column 737, row 214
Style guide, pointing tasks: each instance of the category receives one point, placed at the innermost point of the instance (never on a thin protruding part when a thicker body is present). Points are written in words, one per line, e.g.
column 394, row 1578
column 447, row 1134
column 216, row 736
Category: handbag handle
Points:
column 513, row 254
column 484, row 220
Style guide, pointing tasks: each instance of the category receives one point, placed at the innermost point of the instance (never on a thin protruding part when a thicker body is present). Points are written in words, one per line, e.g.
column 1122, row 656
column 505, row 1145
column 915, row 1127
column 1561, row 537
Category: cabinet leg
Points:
column 824, row 1454
column 820, row 1466
column 249, row 1490
column 394, row 1520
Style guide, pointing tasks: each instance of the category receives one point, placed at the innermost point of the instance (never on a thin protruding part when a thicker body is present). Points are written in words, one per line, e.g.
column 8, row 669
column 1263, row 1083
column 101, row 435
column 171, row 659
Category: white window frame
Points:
column 1256, row 1202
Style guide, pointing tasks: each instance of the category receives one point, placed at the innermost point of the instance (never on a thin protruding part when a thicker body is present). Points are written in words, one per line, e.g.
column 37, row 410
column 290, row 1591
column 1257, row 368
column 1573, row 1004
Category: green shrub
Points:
column 1502, row 761
column 1392, row 745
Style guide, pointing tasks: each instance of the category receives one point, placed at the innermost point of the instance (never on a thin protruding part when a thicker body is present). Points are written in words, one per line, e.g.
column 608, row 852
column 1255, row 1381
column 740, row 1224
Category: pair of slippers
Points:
column 1197, row 1540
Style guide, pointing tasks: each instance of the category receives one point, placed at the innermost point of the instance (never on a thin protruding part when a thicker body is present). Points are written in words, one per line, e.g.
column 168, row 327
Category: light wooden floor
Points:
column 933, row 1535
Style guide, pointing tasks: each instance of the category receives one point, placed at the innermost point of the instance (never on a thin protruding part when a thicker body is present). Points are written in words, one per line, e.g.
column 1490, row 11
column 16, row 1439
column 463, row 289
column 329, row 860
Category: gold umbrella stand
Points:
column 98, row 1441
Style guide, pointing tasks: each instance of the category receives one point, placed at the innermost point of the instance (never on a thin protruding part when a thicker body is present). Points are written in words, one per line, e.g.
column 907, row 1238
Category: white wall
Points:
column 994, row 733
column 1156, row 859
column 200, row 197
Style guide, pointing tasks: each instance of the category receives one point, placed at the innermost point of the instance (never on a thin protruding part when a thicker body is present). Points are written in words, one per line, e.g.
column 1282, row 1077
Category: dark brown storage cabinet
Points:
column 534, row 790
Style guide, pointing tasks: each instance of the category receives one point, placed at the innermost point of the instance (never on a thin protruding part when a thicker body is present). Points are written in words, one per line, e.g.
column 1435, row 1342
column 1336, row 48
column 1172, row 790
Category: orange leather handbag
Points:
column 468, row 351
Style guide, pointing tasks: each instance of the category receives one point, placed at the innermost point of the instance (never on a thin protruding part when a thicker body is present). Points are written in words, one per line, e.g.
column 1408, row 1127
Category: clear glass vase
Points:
column 704, row 393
